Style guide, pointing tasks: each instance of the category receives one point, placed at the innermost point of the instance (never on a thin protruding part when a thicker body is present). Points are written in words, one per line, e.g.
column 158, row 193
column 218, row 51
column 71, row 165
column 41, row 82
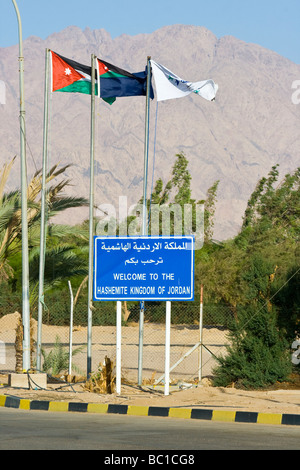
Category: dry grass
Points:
column 102, row 381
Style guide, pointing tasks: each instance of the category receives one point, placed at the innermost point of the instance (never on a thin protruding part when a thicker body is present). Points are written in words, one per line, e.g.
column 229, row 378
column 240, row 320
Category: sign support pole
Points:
column 167, row 347
column 119, row 345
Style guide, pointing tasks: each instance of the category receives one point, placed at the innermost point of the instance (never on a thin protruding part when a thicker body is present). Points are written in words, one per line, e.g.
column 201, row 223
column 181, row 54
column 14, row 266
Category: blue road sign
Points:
column 144, row 268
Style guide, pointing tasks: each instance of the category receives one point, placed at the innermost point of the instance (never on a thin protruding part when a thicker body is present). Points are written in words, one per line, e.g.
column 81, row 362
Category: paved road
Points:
column 38, row 430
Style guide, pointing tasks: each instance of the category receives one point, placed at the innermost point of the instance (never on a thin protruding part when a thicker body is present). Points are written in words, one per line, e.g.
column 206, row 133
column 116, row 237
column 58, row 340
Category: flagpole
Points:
column 43, row 217
column 25, row 257
column 91, row 221
column 146, row 149
column 144, row 224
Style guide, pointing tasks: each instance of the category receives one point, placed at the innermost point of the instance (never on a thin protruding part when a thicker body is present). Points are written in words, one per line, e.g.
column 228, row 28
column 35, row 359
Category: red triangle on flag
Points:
column 63, row 74
column 102, row 68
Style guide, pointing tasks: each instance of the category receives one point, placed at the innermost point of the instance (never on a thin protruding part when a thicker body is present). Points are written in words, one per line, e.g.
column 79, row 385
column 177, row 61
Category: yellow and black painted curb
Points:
column 133, row 410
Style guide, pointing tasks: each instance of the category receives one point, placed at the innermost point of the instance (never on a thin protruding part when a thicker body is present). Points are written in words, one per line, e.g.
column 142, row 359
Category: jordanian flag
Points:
column 116, row 82
column 70, row 76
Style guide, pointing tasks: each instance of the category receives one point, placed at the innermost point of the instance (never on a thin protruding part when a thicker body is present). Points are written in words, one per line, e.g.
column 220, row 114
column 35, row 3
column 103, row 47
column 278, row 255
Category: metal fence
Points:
column 192, row 349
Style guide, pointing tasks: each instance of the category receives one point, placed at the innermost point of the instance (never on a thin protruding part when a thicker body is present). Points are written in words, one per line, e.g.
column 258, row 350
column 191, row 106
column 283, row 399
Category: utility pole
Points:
column 25, row 262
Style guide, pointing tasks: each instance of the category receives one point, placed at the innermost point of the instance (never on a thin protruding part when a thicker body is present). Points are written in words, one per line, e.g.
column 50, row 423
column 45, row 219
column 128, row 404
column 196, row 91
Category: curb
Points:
column 133, row 410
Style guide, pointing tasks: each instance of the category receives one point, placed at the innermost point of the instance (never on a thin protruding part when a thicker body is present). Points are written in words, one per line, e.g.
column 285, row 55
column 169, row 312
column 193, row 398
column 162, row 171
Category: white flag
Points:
column 169, row 86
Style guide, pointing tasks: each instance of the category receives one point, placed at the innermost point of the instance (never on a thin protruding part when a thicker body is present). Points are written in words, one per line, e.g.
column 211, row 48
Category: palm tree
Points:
column 11, row 227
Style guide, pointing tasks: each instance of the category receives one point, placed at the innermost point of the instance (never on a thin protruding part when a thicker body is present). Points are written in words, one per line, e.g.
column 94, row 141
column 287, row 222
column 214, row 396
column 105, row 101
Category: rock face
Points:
column 251, row 126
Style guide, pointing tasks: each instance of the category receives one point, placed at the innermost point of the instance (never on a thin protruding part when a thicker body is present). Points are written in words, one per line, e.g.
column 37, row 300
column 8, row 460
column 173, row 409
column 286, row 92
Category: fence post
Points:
column 167, row 347
column 71, row 329
column 200, row 336
column 2, row 353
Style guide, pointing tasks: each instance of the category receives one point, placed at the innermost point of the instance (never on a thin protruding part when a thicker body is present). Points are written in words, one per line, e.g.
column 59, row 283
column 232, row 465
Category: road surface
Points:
column 42, row 430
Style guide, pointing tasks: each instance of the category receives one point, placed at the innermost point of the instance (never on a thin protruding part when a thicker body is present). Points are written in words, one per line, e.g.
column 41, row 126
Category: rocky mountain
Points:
column 236, row 139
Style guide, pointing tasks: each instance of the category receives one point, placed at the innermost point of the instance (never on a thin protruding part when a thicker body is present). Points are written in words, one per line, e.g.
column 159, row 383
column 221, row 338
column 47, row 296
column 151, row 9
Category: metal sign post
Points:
column 118, row 347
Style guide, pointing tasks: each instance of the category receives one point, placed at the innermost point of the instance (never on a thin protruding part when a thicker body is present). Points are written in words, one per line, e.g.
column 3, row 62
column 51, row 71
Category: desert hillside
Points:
column 251, row 126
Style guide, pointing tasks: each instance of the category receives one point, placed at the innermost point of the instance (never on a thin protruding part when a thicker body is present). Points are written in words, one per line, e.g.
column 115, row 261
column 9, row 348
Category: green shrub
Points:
column 57, row 360
column 258, row 355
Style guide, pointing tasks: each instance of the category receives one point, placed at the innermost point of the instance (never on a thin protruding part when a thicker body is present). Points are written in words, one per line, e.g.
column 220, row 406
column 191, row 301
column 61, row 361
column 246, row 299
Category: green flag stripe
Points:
column 80, row 86
column 111, row 74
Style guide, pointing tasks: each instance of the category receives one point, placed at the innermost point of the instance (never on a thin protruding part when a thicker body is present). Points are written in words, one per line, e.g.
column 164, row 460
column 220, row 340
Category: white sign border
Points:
column 146, row 299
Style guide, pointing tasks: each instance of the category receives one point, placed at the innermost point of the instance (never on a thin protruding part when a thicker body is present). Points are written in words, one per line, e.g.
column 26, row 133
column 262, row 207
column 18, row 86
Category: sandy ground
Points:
column 203, row 396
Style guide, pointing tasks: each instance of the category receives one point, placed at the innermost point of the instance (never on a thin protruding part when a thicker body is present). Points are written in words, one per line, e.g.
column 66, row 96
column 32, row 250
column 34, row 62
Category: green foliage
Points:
column 57, row 360
column 258, row 355
column 181, row 179
column 62, row 258
column 254, row 276
column 167, row 204
column 270, row 232
column 61, row 263
column 287, row 301
column 209, row 211
column 279, row 206
column 10, row 302
column 257, row 274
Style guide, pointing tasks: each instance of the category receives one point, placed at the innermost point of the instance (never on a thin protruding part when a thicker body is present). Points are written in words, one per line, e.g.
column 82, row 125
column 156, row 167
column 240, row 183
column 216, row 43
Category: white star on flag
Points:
column 68, row 71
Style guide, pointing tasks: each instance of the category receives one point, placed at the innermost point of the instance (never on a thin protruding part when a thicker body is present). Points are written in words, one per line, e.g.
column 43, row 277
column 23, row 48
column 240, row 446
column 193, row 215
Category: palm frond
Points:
column 62, row 231
column 4, row 175
column 61, row 262
column 68, row 202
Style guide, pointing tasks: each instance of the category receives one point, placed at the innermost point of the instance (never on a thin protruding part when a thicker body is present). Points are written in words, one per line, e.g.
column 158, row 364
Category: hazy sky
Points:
column 274, row 24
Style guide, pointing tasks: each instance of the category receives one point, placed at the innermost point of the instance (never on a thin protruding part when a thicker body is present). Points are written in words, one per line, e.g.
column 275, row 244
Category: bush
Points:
column 258, row 356
column 57, row 360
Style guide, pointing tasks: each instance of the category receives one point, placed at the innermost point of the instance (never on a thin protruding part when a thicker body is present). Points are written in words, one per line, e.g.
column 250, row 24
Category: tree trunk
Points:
column 126, row 312
column 19, row 343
